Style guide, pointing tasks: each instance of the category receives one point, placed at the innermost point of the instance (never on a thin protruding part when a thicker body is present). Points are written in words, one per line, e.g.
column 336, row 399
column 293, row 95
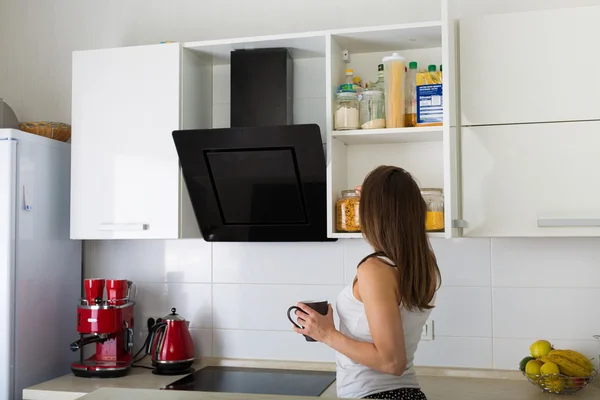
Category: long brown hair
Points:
column 392, row 218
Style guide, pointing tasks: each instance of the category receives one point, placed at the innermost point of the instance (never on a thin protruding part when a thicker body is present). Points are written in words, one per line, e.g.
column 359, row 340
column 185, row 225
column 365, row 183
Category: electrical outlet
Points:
column 427, row 333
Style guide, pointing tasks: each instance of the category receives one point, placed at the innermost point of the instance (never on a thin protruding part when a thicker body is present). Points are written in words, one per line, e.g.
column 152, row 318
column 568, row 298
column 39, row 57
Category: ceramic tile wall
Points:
column 497, row 295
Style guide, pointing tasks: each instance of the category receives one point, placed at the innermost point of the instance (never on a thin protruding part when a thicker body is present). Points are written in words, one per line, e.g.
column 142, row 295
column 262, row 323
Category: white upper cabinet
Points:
column 531, row 180
column 125, row 170
column 426, row 152
column 530, row 67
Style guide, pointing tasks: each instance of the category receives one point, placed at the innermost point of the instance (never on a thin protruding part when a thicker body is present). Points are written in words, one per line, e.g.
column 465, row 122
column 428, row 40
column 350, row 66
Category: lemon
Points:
column 549, row 368
column 540, row 348
column 524, row 362
column 554, row 383
column 533, row 368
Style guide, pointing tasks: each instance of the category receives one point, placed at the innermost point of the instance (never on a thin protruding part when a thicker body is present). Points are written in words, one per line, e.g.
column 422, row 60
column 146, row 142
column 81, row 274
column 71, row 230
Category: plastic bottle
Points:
column 395, row 91
column 348, row 85
column 379, row 85
column 411, row 94
column 433, row 75
column 349, row 77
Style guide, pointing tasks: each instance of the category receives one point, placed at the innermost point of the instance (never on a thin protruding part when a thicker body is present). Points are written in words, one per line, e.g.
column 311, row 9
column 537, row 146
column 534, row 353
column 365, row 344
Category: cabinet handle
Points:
column 567, row 222
column 124, row 227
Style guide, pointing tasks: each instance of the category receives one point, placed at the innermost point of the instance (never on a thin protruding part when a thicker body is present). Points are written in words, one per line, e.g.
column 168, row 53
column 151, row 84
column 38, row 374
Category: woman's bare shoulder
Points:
column 377, row 269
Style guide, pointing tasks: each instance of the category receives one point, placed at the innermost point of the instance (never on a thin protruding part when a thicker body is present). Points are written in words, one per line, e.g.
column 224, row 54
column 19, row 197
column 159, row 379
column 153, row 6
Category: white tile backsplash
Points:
column 281, row 263
column 184, row 261
column 463, row 311
column 455, row 352
column 551, row 262
column 463, row 262
column 263, row 307
column 193, row 302
column 354, row 251
column 539, row 312
column 498, row 295
column 271, row 345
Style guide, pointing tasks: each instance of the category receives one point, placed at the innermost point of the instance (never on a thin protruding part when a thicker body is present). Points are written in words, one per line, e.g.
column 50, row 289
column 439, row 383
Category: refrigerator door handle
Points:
column 26, row 204
column 124, row 227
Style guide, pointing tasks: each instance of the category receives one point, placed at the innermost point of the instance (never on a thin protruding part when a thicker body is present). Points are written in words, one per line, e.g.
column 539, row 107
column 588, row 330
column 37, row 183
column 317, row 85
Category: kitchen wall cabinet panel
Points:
column 125, row 170
column 531, row 180
column 530, row 67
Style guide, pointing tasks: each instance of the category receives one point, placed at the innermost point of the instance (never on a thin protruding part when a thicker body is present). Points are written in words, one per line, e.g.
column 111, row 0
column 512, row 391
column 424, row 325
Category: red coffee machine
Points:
column 108, row 323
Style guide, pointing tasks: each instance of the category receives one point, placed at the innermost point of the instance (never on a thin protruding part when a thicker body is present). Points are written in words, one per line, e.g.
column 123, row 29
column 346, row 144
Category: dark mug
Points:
column 319, row 306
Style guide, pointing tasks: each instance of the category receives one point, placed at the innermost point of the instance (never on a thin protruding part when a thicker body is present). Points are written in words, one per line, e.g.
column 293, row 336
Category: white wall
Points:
column 498, row 294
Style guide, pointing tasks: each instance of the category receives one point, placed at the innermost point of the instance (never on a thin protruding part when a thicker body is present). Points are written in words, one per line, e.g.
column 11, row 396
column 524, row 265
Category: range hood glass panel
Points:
column 259, row 186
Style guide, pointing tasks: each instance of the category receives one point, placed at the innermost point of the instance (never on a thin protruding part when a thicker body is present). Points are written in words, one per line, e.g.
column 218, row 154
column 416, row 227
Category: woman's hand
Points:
column 317, row 326
column 358, row 189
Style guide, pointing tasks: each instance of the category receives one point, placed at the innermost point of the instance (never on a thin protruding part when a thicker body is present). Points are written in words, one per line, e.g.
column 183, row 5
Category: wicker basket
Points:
column 560, row 384
column 52, row 130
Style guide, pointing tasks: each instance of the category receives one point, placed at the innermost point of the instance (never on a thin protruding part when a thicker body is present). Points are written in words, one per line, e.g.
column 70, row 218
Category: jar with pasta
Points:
column 394, row 80
column 347, row 218
column 434, row 198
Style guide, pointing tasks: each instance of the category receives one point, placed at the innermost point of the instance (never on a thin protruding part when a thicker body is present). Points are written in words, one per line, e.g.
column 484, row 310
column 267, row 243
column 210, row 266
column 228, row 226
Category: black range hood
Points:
column 256, row 184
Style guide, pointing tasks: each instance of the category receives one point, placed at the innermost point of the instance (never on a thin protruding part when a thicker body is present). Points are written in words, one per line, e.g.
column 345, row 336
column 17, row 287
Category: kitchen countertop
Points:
column 437, row 383
column 436, row 388
column 70, row 387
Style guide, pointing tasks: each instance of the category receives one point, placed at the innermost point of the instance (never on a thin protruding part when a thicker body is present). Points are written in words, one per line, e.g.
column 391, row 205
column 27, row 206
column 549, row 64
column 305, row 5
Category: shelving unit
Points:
column 425, row 152
column 391, row 135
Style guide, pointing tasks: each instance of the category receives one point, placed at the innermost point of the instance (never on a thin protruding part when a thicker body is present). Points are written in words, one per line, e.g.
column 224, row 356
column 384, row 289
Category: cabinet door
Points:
column 531, row 180
column 530, row 67
column 125, row 170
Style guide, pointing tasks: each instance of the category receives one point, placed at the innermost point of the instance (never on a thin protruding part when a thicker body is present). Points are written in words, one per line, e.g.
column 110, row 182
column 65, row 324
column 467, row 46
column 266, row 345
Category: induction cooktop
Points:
column 255, row 380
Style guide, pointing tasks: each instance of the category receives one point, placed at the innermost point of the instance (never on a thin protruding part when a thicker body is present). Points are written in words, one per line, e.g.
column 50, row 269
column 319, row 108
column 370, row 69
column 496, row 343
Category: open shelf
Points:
column 301, row 45
column 390, row 135
column 338, row 235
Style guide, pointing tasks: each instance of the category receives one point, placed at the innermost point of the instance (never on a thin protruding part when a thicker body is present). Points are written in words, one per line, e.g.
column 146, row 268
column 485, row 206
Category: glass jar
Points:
column 434, row 198
column 372, row 115
column 347, row 218
column 346, row 111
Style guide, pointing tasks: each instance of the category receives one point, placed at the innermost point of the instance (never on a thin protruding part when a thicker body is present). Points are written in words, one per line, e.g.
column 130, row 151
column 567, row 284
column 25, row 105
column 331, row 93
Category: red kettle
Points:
column 170, row 345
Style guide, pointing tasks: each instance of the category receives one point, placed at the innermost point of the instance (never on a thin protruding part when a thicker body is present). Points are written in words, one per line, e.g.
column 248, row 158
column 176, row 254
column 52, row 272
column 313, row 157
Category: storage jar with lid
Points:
column 372, row 114
column 346, row 111
column 434, row 198
column 394, row 80
column 347, row 218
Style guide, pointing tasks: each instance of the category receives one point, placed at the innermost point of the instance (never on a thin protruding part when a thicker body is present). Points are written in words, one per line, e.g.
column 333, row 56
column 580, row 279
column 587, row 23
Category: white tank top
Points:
column 355, row 380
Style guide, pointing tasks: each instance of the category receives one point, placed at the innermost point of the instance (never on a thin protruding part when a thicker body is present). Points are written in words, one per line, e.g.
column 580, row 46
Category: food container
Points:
column 372, row 114
column 434, row 198
column 347, row 218
column 430, row 99
column 394, row 80
column 346, row 111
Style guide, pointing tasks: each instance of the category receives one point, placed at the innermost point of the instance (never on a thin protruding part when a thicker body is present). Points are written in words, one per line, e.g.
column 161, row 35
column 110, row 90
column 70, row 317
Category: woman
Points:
column 383, row 311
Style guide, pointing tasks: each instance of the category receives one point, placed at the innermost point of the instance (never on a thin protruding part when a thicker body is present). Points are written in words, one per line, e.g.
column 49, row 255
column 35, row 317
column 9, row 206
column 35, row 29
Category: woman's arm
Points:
column 377, row 291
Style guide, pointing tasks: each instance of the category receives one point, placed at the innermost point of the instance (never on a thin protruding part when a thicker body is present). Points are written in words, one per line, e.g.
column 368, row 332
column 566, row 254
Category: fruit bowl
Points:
column 560, row 384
